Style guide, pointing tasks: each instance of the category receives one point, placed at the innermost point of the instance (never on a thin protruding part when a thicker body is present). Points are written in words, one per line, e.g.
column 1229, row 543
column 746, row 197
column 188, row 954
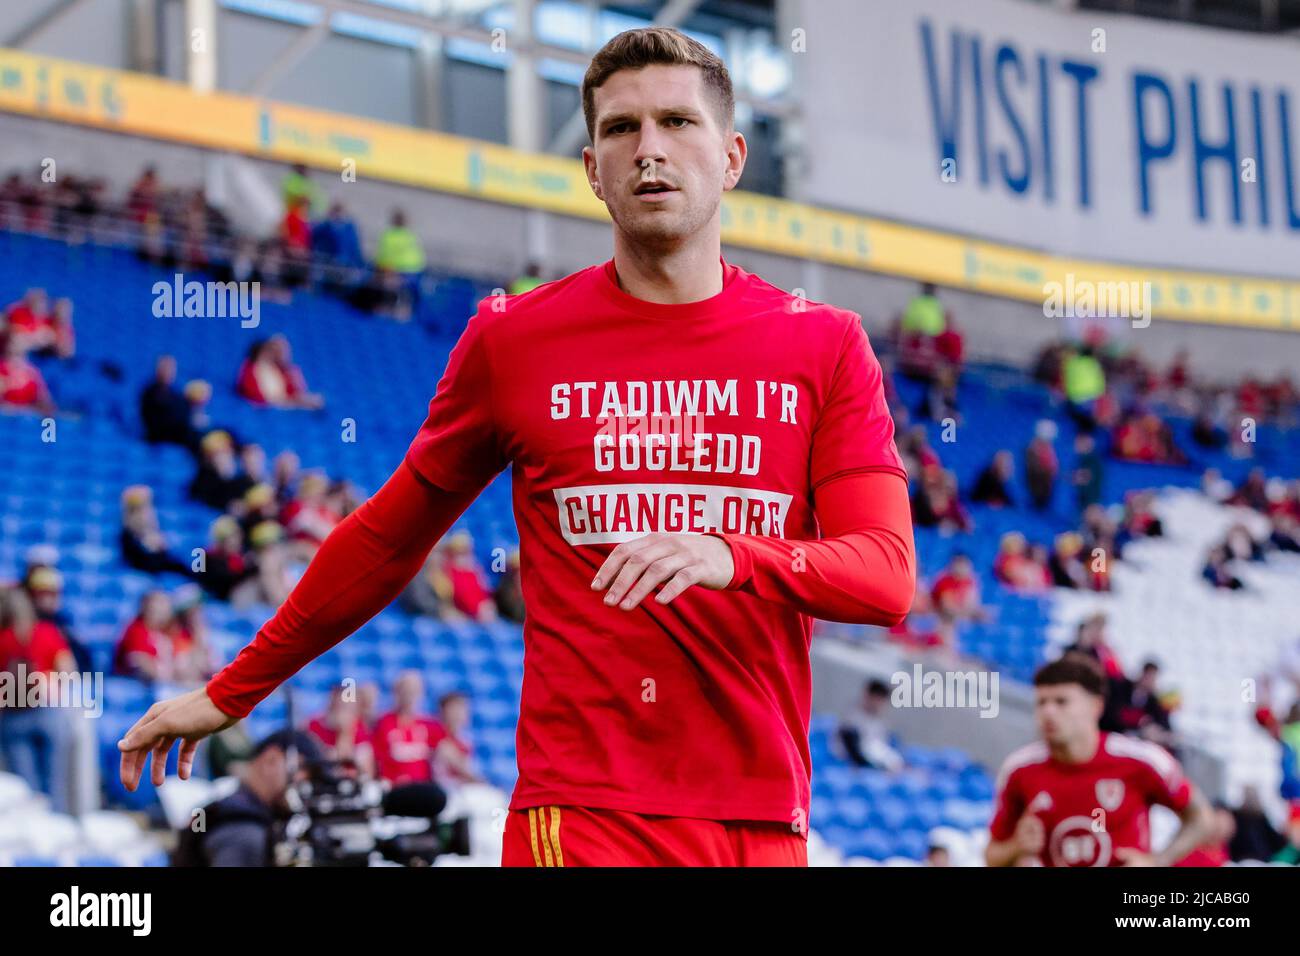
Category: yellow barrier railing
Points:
column 147, row 106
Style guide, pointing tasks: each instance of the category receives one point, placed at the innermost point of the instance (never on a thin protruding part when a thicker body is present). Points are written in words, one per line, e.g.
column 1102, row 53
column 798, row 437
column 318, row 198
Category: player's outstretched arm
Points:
column 361, row 567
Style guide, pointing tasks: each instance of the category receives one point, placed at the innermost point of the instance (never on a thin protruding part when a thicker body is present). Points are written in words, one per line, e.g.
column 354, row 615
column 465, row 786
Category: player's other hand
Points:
column 1030, row 835
column 188, row 718
column 676, row 561
column 1130, row 856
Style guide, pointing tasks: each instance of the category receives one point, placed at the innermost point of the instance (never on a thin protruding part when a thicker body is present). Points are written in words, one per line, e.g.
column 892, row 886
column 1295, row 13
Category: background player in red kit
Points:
column 702, row 463
column 1080, row 797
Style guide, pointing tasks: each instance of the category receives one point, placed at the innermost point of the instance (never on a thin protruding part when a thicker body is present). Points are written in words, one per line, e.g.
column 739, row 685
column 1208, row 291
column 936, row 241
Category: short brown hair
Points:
column 647, row 46
column 1073, row 668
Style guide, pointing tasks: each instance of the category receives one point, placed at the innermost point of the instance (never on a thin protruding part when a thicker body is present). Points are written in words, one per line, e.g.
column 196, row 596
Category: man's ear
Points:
column 593, row 178
column 737, row 150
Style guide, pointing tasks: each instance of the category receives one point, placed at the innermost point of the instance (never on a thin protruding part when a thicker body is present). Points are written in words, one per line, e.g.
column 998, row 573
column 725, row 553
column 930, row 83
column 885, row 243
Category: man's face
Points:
column 661, row 159
column 1065, row 712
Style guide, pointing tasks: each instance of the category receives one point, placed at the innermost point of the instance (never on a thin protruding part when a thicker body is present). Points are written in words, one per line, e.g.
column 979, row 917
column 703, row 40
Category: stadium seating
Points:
column 380, row 375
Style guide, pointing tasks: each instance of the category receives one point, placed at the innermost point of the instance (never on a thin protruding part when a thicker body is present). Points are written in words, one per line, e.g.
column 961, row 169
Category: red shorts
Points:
column 575, row 836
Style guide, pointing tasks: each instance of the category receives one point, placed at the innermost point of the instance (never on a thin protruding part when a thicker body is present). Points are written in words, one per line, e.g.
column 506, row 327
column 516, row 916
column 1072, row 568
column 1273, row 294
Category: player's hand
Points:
column 188, row 718
column 677, row 561
column 1130, row 856
column 1030, row 835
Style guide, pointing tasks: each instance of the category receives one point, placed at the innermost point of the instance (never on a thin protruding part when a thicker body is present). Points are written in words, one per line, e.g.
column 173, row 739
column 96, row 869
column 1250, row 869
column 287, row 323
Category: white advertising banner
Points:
column 1101, row 136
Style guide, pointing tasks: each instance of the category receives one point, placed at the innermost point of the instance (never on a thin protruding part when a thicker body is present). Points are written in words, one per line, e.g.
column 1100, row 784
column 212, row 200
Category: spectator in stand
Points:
column 1041, row 465
column 428, row 594
column 1088, row 471
column 343, row 733
column 1134, row 707
column 298, row 189
column 1208, row 428
column 224, row 567
column 1066, row 563
column 1285, row 729
column 527, row 282
column 40, row 329
column 309, row 518
column 342, row 499
column 144, row 198
column 269, row 377
column 295, row 230
column 1253, row 492
column 864, row 733
column 22, row 387
column 404, row 738
column 271, row 574
column 510, row 595
column 335, row 240
column 1284, row 533
column 368, row 701
column 43, row 585
column 927, row 337
column 1090, row 639
column 164, row 409
column 252, row 467
column 992, row 486
column 935, row 503
column 1100, row 532
column 1083, row 381
column 914, row 448
column 955, row 594
column 149, row 649
column 466, row 582
column 284, row 476
column 35, row 739
column 1218, row 572
column 1143, row 437
column 1290, row 854
column 1011, row 562
column 400, row 262
column 217, row 481
column 940, row 402
column 28, row 320
column 257, row 506
column 1139, row 520
column 1254, row 836
column 190, row 630
column 295, row 243
column 453, row 758
column 144, row 547
column 64, row 339
column 1241, row 544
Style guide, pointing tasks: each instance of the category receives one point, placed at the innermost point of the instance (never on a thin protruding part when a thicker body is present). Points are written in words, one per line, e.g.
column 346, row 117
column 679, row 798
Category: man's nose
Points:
column 651, row 146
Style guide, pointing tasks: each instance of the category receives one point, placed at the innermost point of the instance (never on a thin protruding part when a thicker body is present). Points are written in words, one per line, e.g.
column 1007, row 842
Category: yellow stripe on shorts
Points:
column 546, row 846
column 555, row 835
column 532, row 833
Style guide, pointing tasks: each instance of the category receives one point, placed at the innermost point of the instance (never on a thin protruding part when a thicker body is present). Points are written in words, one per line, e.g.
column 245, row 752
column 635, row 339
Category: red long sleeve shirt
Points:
column 764, row 424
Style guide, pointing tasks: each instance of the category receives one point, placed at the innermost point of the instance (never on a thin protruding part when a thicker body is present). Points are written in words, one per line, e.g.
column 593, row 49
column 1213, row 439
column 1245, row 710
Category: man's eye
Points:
column 677, row 122
column 618, row 128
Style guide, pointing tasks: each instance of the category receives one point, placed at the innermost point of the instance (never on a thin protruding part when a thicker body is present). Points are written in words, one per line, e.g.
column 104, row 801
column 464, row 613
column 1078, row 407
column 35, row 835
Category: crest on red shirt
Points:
column 1110, row 794
column 1041, row 803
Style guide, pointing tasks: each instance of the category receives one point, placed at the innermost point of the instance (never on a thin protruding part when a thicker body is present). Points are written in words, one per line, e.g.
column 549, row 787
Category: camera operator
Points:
column 238, row 830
